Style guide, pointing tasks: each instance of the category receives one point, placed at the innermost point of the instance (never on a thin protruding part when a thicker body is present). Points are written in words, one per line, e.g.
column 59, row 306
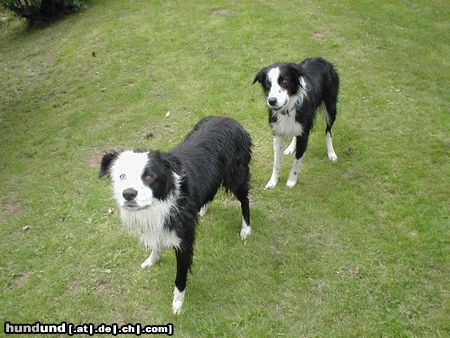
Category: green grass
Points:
column 357, row 248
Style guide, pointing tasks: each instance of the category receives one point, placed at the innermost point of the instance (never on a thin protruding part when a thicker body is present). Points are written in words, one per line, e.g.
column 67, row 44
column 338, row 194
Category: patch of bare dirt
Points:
column 9, row 208
column 120, row 320
column 73, row 288
column 94, row 160
column 20, row 279
column 102, row 286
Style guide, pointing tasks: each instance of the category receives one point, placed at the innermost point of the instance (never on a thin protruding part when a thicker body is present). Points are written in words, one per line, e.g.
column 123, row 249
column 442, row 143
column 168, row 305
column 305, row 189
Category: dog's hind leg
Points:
column 239, row 185
column 330, row 117
column 291, row 147
column 330, row 150
column 245, row 207
column 152, row 259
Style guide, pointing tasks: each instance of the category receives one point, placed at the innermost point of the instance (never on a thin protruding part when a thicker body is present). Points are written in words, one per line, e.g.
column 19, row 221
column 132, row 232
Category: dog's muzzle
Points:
column 272, row 104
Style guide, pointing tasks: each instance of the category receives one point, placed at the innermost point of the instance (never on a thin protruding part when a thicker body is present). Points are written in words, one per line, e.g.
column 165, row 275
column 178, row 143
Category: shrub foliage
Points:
column 41, row 11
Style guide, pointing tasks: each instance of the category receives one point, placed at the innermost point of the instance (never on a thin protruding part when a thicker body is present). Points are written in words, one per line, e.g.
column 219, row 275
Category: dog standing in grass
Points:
column 294, row 92
column 161, row 194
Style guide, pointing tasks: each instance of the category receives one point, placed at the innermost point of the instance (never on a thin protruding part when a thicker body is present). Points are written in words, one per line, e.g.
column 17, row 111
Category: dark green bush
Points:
column 42, row 11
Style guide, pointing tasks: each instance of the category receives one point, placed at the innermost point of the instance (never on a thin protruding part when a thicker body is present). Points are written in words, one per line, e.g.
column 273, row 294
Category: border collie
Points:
column 294, row 93
column 160, row 194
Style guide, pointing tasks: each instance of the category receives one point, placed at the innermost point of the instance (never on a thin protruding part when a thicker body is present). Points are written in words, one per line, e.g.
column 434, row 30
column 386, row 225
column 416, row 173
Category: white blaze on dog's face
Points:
column 130, row 181
column 278, row 97
column 281, row 82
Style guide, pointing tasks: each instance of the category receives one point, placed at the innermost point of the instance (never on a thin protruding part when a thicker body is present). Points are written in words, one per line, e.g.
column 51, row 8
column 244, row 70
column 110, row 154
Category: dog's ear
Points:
column 106, row 163
column 176, row 167
column 172, row 163
column 297, row 69
column 260, row 76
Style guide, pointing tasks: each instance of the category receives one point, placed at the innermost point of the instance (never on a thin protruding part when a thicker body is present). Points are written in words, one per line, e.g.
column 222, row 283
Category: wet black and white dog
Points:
column 294, row 93
column 160, row 194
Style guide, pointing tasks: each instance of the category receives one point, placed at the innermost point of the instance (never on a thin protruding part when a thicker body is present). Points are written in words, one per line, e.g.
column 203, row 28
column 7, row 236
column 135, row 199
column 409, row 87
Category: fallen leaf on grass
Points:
column 110, row 211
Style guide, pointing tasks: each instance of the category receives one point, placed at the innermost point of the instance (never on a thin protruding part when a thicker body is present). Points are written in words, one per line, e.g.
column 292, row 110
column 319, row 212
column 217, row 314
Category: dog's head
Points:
column 139, row 178
column 281, row 82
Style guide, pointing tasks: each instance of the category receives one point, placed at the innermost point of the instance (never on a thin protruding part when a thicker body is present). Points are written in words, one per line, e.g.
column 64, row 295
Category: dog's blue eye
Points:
column 123, row 176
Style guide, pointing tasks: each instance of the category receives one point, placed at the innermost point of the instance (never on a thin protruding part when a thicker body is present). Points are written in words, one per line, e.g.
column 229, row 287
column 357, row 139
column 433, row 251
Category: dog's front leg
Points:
column 184, row 261
column 277, row 144
column 302, row 143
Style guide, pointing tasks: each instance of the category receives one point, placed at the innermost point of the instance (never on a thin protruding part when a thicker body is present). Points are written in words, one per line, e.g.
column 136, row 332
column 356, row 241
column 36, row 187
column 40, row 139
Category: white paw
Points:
column 203, row 210
column 176, row 306
column 178, row 299
column 146, row 264
column 291, row 183
column 152, row 259
column 332, row 156
column 245, row 232
column 289, row 150
column 271, row 184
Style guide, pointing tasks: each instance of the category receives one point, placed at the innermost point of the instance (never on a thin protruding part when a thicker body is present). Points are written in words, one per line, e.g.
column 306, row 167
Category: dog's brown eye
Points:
column 148, row 177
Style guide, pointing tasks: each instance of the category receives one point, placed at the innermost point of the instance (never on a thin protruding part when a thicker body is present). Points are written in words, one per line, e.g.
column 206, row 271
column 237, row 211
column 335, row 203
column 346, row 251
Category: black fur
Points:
column 106, row 163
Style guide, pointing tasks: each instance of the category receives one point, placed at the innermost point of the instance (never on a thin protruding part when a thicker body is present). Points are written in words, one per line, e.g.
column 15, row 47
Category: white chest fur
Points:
column 286, row 125
column 148, row 225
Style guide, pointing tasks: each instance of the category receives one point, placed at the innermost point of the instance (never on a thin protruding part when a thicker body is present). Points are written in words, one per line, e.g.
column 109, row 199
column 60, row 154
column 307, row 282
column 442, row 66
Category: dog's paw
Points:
column 332, row 156
column 178, row 299
column 176, row 307
column 152, row 259
column 291, row 183
column 245, row 232
column 289, row 150
column 203, row 210
column 271, row 184
column 146, row 264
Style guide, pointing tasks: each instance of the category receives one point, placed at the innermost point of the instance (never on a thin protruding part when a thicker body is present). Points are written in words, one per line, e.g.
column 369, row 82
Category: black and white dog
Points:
column 294, row 93
column 160, row 194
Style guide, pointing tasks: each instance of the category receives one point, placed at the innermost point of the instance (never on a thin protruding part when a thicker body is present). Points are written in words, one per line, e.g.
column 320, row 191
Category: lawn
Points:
column 357, row 248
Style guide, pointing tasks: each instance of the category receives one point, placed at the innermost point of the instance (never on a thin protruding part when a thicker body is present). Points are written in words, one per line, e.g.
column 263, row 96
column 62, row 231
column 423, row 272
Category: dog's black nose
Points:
column 129, row 194
column 272, row 101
